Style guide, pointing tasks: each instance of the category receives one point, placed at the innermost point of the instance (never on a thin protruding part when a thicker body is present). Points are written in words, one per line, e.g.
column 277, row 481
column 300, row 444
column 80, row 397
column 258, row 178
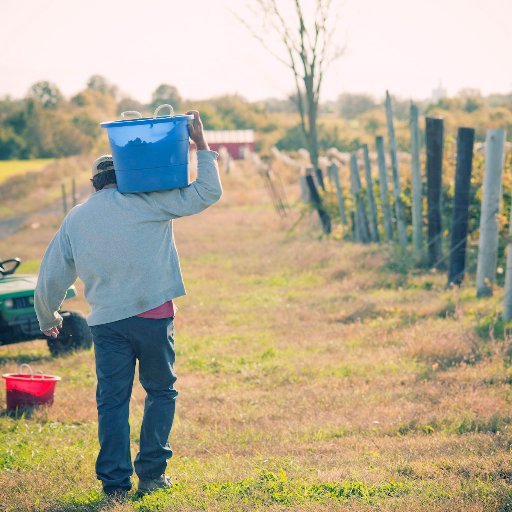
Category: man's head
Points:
column 103, row 172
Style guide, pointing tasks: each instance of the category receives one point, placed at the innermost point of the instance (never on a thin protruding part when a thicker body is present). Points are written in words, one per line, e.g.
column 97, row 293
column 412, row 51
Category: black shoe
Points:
column 116, row 493
column 154, row 484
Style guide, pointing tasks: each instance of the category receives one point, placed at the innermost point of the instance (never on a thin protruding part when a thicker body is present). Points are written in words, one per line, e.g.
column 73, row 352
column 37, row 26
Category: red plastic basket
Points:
column 29, row 389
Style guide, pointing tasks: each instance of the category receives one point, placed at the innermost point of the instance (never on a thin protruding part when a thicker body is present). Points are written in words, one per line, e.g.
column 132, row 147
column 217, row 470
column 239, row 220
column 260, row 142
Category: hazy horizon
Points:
column 407, row 47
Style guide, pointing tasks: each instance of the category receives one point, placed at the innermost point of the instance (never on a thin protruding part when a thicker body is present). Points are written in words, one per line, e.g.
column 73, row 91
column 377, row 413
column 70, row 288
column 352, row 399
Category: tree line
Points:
column 46, row 124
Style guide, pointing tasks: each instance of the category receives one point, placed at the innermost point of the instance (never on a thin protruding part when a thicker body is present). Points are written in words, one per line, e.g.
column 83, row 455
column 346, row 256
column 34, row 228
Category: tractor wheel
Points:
column 74, row 335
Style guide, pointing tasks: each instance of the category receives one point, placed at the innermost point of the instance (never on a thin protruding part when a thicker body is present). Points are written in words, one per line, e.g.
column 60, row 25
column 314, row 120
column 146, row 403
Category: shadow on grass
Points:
column 24, row 411
column 18, row 413
column 30, row 351
column 90, row 501
column 24, row 357
column 488, row 425
column 102, row 503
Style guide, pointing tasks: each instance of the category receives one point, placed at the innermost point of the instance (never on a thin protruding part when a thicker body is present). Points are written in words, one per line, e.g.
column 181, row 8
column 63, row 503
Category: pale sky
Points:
column 406, row 46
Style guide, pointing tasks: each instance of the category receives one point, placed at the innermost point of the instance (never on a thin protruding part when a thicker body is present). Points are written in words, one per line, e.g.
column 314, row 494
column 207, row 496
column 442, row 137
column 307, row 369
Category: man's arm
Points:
column 203, row 192
column 56, row 275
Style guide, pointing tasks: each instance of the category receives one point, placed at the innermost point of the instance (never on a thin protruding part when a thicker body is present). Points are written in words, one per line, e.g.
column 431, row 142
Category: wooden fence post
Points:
column 465, row 141
column 507, row 302
column 73, row 192
column 489, row 216
column 317, row 203
column 383, row 188
column 273, row 191
column 64, row 199
column 225, row 158
column 400, row 224
column 305, row 196
column 417, row 201
column 362, row 230
column 281, row 190
column 369, row 193
column 434, row 142
column 355, row 235
column 330, row 175
column 320, row 178
column 335, row 175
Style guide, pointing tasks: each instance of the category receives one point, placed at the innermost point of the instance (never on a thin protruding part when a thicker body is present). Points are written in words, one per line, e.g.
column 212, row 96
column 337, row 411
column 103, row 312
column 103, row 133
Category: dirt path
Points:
column 12, row 225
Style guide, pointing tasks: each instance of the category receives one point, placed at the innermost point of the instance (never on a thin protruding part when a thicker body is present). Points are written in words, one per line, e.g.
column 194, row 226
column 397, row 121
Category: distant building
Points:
column 439, row 93
column 236, row 142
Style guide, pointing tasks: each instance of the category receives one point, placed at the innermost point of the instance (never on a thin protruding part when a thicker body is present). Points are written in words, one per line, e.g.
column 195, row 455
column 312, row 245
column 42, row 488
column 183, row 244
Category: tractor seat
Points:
column 8, row 267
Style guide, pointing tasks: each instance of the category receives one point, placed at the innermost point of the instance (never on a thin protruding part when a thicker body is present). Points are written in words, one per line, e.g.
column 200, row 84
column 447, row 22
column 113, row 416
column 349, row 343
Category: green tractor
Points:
column 18, row 321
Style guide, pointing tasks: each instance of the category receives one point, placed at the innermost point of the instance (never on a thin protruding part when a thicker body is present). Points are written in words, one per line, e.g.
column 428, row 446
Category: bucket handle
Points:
column 131, row 113
column 21, row 366
column 161, row 107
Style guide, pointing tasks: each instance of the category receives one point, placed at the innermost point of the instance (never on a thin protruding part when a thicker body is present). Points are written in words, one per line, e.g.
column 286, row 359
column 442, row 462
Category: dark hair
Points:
column 104, row 178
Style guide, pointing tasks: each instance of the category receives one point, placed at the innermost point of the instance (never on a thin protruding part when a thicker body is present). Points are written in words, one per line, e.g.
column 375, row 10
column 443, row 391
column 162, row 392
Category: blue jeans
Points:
column 117, row 345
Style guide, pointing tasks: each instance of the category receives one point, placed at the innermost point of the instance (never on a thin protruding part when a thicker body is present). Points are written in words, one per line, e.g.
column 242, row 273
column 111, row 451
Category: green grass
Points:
column 311, row 377
column 29, row 267
column 10, row 168
column 265, row 489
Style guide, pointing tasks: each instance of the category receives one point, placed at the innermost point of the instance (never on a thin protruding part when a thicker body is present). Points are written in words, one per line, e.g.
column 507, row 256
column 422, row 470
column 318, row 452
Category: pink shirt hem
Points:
column 165, row 310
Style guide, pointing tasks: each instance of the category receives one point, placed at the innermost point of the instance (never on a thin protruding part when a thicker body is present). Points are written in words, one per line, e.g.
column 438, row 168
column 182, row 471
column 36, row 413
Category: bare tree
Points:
column 309, row 48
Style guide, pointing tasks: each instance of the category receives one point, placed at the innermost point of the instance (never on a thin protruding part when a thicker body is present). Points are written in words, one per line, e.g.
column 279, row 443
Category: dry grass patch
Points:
column 10, row 168
column 312, row 375
column 24, row 194
column 444, row 344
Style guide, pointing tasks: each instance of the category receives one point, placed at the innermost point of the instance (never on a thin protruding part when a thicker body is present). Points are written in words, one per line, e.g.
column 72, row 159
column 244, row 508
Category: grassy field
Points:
column 10, row 168
column 313, row 376
column 26, row 186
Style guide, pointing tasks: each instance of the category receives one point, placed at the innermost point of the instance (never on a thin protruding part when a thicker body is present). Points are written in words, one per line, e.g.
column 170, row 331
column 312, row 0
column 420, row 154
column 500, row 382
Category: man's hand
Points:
column 196, row 130
column 53, row 332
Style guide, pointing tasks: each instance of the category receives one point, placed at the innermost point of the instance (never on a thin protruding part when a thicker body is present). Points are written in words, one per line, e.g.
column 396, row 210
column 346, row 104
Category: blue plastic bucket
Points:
column 150, row 153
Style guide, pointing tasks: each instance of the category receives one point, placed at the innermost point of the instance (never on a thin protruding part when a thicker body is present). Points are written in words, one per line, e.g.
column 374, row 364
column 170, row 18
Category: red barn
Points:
column 237, row 142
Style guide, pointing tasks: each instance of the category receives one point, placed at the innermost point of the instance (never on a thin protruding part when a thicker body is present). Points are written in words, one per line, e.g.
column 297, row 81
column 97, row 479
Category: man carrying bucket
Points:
column 122, row 247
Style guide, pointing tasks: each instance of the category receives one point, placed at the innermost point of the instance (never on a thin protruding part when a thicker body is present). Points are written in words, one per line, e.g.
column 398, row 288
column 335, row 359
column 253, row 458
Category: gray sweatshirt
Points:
column 122, row 247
